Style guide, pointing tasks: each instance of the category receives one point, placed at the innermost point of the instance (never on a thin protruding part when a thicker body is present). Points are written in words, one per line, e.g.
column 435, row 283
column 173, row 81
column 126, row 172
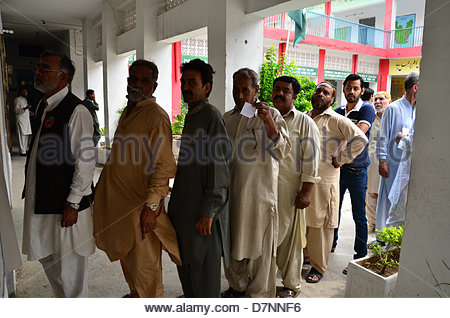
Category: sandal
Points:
column 333, row 249
column 345, row 271
column 288, row 293
column 312, row 274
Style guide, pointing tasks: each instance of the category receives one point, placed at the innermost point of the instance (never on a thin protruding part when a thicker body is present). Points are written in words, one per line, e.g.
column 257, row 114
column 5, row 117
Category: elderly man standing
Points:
column 341, row 142
column 299, row 171
column 198, row 204
column 130, row 223
column 21, row 108
column 381, row 101
column 260, row 140
column 398, row 118
column 57, row 226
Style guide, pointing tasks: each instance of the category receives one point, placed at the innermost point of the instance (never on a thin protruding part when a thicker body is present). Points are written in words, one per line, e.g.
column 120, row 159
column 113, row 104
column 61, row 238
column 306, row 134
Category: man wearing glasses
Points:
column 58, row 228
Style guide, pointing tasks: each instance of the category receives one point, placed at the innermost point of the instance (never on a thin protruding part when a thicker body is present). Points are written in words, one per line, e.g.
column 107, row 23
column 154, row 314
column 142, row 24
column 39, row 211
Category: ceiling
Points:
column 40, row 19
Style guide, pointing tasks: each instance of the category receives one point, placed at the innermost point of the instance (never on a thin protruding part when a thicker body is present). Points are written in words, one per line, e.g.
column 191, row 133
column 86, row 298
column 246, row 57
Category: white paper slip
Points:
column 405, row 131
column 248, row 110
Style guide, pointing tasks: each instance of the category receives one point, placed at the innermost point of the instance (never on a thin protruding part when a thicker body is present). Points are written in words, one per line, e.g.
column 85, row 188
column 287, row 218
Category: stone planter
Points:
column 363, row 283
column 101, row 155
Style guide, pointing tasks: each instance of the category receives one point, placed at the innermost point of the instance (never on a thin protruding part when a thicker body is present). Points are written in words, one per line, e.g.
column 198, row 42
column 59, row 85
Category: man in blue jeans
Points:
column 354, row 175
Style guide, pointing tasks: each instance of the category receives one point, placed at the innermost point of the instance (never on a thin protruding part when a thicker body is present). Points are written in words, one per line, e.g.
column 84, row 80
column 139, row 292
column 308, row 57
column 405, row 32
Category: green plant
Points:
column 271, row 68
column 102, row 131
column 387, row 256
column 178, row 124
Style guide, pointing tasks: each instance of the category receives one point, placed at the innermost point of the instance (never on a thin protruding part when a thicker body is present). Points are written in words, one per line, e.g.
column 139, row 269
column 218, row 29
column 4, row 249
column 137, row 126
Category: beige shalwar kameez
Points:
column 254, row 171
column 373, row 181
column 300, row 165
column 137, row 172
column 342, row 139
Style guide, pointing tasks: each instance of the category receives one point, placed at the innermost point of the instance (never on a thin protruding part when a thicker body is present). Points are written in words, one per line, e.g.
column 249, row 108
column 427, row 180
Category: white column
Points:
column 148, row 47
column 93, row 71
column 235, row 40
column 114, row 71
column 76, row 55
column 426, row 240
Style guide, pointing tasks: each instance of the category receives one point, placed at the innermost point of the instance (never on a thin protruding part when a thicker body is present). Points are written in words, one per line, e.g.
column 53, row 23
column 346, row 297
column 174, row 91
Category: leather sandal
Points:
column 232, row 293
column 313, row 273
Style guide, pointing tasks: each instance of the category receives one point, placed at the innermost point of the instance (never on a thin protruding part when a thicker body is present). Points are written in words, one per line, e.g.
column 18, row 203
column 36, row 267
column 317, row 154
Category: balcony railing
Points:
column 331, row 27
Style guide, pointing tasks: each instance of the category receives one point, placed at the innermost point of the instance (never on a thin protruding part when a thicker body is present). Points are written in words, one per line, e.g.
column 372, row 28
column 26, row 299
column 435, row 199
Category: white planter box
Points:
column 102, row 155
column 363, row 283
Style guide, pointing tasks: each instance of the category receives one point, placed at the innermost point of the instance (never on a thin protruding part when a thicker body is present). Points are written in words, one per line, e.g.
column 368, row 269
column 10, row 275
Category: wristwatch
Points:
column 152, row 206
column 74, row 206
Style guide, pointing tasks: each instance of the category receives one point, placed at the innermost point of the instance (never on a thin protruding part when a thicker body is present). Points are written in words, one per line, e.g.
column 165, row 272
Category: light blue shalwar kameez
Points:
column 398, row 115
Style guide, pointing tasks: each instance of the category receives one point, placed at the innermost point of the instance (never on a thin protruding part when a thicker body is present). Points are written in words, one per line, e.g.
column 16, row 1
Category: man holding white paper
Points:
column 398, row 117
column 260, row 140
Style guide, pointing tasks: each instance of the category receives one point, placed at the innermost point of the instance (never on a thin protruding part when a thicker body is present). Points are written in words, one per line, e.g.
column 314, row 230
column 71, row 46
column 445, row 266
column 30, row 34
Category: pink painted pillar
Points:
column 321, row 68
column 354, row 63
column 387, row 22
column 383, row 73
column 327, row 21
column 176, row 88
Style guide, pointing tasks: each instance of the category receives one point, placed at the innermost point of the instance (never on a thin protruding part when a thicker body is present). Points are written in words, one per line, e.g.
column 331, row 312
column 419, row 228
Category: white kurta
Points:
column 42, row 233
column 400, row 114
column 300, row 165
column 22, row 115
column 23, row 122
column 373, row 181
column 399, row 191
column 254, row 183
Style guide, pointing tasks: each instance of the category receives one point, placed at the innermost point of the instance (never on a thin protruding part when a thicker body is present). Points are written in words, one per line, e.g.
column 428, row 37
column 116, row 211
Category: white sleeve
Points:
column 81, row 129
column 18, row 107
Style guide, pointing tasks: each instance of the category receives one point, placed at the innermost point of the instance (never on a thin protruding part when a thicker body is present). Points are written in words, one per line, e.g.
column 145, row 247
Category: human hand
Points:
column 203, row 225
column 335, row 163
column 383, row 169
column 69, row 216
column 147, row 220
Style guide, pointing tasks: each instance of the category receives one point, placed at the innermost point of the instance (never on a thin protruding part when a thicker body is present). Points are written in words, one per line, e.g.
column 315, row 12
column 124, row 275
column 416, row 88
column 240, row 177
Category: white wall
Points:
column 408, row 7
column 426, row 240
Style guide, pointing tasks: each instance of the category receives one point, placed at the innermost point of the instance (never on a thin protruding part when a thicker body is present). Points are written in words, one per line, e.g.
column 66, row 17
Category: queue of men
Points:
column 255, row 187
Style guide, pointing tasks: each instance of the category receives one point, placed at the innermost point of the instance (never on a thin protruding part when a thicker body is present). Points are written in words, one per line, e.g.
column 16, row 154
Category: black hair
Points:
column 148, row 64
column 354, row 77
column 289, row 79
column 248, row 73
column 66, row 63
column 205, row 70
column 368, row 93
column 89, row 92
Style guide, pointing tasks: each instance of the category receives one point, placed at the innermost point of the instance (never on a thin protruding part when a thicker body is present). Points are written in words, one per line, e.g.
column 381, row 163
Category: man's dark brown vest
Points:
column 55, row 164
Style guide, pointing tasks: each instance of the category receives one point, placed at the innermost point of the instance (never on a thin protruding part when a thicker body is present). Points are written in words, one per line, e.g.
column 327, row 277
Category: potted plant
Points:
column 376, row 274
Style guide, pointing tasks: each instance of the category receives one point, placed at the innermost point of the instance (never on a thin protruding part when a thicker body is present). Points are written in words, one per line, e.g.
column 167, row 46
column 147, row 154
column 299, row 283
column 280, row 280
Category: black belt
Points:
column 353, row 169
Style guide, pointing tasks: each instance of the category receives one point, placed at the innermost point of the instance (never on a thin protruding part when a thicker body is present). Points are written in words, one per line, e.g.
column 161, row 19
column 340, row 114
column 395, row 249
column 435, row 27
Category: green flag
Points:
column 299, row 17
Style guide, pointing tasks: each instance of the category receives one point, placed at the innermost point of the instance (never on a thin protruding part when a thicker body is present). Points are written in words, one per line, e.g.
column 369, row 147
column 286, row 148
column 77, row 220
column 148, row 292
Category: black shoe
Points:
column 23, row 154
column 232, row 293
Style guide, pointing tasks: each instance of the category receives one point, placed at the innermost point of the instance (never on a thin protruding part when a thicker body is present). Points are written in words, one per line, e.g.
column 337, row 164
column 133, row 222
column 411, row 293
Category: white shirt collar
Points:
column 356, row 108
column 56, row 98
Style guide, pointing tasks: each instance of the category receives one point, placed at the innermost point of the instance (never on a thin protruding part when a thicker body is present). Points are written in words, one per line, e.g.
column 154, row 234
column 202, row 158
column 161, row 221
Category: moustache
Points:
column 137, row 90
column 187, row 93
column 279, row 97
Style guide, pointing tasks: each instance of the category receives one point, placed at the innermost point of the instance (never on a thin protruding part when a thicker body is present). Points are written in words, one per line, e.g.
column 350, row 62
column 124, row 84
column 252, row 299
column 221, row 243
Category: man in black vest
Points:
column 58, row 228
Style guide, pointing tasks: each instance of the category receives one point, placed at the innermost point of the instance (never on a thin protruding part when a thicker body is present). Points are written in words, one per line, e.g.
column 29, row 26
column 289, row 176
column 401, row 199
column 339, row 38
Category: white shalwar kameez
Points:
column 63, row 251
